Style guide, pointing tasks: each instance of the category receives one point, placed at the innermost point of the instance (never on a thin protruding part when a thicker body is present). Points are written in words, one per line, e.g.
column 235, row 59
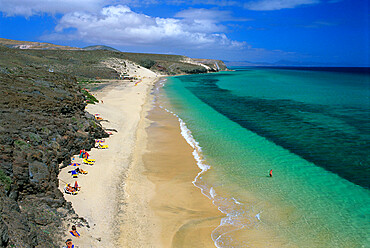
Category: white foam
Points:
column 212, row 192
column 236, row 201
column 232, row 215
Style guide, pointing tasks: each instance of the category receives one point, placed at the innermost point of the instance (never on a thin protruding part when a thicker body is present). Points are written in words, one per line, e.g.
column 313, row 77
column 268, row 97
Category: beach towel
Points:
column 73, row 234
column 74, row 174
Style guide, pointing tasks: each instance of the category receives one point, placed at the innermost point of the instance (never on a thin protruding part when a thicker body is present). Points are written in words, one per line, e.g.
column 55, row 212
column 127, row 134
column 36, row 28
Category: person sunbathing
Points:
column 74, row 232
column 69, row 244
column 88, row 161
column 70, row 189
column 74, row 173
column 82, row 171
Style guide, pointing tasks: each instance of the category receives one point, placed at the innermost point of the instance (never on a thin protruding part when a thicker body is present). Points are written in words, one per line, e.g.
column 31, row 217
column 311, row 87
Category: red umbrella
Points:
column 75, row 164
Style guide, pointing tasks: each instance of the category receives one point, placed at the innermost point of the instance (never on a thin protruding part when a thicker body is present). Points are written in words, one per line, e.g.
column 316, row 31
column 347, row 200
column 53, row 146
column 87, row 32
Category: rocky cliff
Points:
column 42, row 124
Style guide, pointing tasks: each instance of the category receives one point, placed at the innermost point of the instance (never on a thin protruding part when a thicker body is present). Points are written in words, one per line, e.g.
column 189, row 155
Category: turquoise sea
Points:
column 311, row 126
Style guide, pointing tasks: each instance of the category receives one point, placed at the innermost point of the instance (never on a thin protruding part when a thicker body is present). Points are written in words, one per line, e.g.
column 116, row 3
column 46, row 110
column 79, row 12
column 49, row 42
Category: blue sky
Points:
column 322, row 32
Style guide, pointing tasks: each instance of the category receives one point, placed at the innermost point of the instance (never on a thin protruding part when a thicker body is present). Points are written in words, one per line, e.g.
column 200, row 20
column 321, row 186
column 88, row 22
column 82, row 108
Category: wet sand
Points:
column 187, row 217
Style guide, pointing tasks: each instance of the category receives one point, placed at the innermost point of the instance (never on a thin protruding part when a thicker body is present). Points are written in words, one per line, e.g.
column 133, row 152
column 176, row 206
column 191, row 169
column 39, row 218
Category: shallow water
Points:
column 310, row 127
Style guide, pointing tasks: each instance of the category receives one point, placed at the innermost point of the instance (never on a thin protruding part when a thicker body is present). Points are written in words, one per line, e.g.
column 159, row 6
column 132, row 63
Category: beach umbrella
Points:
column 75, row 164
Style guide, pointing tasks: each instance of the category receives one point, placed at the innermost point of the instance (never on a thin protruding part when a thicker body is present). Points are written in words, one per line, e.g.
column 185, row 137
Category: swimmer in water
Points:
column 270, row 173
column 258, row 216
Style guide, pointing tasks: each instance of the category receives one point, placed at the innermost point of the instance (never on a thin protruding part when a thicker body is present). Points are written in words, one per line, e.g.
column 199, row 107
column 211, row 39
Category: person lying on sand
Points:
column 74, row 173
column 69, row 244
column 70, row 188
column 80, row 171
column 74, row 232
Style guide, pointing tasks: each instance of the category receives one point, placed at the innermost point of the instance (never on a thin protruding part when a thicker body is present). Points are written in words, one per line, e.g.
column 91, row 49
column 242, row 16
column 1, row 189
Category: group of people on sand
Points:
column 69, row 189
column 73, row 190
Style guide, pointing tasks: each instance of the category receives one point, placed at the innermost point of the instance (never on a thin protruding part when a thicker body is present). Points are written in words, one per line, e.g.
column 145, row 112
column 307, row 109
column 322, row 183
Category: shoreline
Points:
column 187, row 217
column 163, row 207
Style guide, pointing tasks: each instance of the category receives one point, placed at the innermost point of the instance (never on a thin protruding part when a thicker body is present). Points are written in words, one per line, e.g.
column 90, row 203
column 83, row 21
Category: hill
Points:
column 100, row 47
column 33, row 45
column 90, row 63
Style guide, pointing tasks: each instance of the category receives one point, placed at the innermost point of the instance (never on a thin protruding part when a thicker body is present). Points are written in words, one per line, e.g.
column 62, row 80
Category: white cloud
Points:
column 277, row 4
column 119, row 25
column 208, row 14
column 34, row 7
column 204, row 20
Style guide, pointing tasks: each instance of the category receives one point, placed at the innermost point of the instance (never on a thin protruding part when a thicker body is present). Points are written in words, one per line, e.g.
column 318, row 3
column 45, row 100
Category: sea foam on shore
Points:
column 236, row 216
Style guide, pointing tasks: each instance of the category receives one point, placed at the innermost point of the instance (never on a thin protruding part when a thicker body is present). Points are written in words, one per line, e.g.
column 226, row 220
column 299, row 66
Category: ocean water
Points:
column 310, row 126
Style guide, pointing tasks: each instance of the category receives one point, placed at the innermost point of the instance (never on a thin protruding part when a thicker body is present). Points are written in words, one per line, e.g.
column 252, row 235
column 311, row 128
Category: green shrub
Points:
column 93, row 123
column 45, row 130
column 89, row 98
column 35, row 137
column 147, row 63
column 21, row 144
column 5, row 180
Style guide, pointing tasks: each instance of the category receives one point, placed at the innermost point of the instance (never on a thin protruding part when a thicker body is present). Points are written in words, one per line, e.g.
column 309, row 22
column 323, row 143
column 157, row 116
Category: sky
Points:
column 314, row 32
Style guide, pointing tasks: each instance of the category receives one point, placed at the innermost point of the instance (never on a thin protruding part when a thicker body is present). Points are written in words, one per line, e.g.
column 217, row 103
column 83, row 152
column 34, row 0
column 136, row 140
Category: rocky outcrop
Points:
column 42, row 124
column 212, row 64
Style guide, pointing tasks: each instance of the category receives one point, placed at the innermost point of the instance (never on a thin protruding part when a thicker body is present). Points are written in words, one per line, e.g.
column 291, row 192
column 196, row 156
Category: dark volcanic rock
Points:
column 42, row 124
column 4, row 237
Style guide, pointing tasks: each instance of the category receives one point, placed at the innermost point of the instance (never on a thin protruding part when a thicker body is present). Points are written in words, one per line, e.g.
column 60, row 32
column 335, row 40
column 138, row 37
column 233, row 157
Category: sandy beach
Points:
column 98, row 201
column 187, row 217
column 139, row 192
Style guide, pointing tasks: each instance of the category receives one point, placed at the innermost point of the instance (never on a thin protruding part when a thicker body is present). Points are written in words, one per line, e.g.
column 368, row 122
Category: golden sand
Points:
column 187, row 217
